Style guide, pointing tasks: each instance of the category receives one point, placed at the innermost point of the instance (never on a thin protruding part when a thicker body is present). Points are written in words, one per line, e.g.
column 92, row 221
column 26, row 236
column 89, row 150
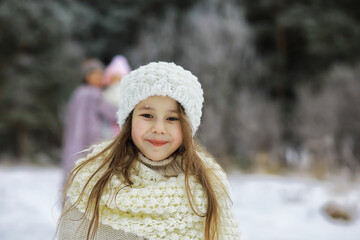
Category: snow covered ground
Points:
column 267, row 207
column 290, row 208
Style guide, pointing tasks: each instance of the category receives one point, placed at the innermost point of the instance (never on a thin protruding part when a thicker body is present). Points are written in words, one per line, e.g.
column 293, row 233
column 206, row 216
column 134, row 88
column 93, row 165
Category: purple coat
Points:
column 85, row 114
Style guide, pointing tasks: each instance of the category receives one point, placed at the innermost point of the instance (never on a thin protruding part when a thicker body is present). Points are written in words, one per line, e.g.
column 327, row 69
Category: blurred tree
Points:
column 305, row 36
column 36, row 73
column 299, row 39
column 110, row 26
column 329, row 121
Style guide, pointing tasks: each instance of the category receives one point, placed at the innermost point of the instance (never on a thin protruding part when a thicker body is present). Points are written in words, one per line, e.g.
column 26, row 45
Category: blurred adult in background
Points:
column 118, row 68
column 85, row 114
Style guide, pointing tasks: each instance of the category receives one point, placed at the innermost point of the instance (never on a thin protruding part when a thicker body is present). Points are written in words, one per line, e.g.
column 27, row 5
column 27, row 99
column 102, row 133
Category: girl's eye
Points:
column 146, row 115
column 172, row 119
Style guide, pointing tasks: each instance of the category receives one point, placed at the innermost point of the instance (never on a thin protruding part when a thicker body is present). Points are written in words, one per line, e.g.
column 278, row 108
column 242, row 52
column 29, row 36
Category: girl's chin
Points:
column 156, row 158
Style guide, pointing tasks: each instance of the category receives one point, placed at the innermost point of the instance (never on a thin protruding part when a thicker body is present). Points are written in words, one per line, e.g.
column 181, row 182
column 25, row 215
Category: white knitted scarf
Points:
column 154, row 207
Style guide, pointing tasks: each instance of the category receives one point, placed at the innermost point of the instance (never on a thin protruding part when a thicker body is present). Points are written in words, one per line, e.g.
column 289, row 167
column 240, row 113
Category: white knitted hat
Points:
column 161, row 79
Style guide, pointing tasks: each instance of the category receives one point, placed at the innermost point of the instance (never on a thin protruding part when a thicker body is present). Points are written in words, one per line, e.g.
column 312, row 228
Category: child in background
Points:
column 114, row 72
column 85, row 112
column 153, row 181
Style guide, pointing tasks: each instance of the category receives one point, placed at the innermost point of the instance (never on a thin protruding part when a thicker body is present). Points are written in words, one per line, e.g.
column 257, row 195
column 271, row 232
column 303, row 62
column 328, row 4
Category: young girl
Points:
column 153, row 181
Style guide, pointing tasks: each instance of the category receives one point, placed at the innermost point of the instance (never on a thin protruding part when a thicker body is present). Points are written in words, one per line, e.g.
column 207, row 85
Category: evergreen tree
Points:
column 110, row 27
column 300, row 39
column 37, row 72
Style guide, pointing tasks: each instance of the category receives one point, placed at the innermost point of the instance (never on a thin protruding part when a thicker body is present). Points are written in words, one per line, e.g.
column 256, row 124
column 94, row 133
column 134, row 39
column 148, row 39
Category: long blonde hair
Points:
column 122, row 154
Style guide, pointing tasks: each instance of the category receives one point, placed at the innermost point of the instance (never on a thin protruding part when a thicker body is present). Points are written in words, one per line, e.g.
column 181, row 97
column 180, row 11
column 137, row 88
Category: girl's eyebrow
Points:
column 147, row 107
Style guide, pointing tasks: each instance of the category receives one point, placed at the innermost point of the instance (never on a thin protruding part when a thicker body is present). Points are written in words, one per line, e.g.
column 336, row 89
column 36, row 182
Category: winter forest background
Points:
column 281, row 78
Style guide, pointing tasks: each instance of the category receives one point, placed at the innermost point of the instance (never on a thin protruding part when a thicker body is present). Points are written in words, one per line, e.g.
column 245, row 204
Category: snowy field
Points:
column 267, row 207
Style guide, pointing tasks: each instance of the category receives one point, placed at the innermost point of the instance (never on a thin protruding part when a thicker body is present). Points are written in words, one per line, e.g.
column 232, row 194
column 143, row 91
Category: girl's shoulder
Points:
column 209, row 161
column 88, row 170
column 212, row 165
column 217, row 171
column 93, row 151
column 91, row 163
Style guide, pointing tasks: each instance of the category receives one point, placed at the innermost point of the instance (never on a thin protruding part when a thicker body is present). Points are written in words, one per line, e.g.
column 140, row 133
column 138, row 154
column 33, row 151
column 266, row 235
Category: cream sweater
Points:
column 154, row 207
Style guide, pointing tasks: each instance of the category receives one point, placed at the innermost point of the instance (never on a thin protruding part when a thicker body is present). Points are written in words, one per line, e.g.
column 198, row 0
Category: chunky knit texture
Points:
column 155, row 206
column 161, row 79
column 74, row 226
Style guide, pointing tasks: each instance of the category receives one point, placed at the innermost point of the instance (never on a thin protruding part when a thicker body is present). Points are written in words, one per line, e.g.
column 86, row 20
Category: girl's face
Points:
column 156, row 129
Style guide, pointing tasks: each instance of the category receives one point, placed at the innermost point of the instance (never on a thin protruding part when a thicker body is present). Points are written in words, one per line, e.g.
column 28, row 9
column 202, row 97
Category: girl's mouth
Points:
column 157, row 143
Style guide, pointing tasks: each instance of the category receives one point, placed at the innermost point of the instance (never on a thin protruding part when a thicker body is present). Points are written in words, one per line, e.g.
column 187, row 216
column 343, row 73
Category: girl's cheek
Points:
column 139, row 127
column 143, row 125
column 178, row 135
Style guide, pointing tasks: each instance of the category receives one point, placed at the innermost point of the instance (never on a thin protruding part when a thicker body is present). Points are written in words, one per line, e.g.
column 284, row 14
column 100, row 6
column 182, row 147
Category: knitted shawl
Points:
column 154, row 207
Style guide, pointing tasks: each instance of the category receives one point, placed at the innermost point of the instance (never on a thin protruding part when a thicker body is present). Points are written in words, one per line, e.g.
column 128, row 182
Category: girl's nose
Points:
column 159, row 128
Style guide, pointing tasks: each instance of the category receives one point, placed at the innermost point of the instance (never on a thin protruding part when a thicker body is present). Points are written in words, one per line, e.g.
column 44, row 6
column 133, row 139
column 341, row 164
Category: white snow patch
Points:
column 266, row 207
column 289, row 208
column 29, row 200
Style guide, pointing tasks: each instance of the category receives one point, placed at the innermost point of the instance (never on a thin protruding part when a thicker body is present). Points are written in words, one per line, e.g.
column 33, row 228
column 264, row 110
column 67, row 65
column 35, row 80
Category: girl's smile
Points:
column 157, row 143
column 156, row 129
